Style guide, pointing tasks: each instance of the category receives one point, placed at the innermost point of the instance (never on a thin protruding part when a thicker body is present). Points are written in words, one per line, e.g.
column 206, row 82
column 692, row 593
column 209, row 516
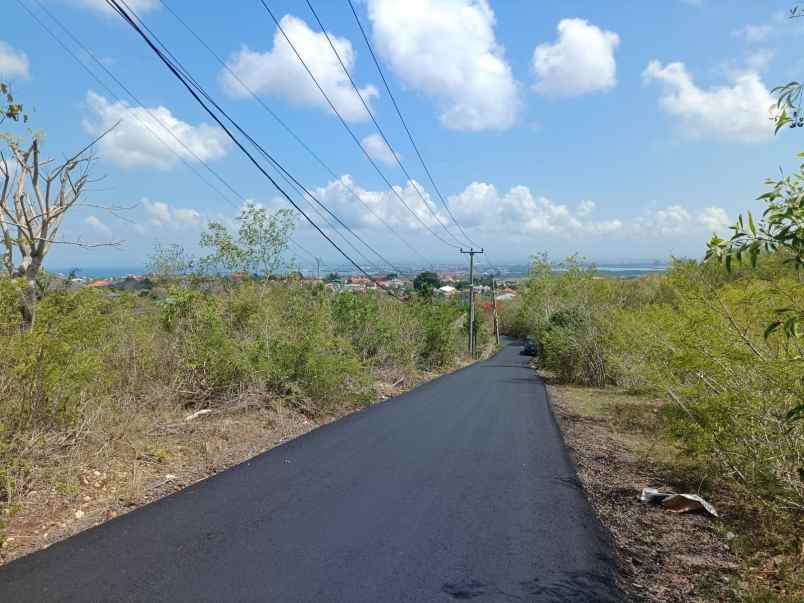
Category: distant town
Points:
column 453, row 280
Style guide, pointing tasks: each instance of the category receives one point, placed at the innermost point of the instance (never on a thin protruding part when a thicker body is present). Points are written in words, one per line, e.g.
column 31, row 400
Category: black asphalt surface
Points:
column 458, row 490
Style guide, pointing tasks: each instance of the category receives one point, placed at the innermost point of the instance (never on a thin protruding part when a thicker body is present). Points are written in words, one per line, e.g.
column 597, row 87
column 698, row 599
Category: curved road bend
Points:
column 458, row 490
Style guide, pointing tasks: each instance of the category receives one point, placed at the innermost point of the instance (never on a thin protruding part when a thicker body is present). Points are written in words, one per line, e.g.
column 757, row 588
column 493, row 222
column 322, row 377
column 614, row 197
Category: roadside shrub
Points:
column 438, row 343
column 695, row 336
column 95, row 356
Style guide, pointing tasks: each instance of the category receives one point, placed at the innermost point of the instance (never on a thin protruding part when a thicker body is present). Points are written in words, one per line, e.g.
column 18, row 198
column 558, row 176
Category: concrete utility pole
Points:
column 494, row 308
column 471, row 252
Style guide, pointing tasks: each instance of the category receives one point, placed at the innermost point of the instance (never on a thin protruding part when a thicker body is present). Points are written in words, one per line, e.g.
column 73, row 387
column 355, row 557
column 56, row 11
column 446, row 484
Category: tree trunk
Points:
column 28, row 303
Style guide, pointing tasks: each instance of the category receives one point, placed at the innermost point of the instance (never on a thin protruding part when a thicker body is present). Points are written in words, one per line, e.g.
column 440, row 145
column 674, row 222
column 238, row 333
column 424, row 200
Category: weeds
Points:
column 94, row 362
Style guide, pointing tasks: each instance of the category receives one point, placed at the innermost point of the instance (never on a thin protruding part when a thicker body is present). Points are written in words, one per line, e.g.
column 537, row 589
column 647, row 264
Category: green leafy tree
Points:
column 426, row 280
column 262, row 236
column 170, row 261
column 780, row 230
column 787, row 111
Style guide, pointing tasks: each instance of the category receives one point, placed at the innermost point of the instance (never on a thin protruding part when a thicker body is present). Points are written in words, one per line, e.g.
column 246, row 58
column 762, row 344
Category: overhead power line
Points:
column 290, row 130
column 404, row 122
column 387, row 142
column 187, row 81
column 351, row 132
column 289, row 179
column 297, row 246
column 408, row 131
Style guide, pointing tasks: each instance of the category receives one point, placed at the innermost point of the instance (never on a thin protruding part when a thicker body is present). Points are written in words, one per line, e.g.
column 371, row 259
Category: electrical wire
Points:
column 153, row 116
column 189, row 84
column 387, row 142
column 351, row 132
column 289, row 179
column 407, row 130
column 317, row 158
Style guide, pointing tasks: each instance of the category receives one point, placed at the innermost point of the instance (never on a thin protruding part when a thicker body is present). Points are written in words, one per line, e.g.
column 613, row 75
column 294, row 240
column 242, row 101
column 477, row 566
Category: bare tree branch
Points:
column 33, row 228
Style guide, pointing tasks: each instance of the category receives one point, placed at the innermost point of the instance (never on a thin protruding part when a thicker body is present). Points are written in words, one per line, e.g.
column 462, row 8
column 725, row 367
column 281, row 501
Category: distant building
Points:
column 447, row 290
column 100, row 283
column 505, row 296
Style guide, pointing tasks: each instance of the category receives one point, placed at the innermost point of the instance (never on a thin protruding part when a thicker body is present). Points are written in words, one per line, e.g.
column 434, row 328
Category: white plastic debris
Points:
column 197, row 414
column 677, row 503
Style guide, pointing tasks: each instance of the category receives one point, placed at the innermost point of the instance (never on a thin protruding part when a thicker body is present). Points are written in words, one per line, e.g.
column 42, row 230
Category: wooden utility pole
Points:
column 471, row 252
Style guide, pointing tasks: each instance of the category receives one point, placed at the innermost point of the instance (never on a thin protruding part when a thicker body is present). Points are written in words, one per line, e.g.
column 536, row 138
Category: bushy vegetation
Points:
column 696, row 336
column 94, row 356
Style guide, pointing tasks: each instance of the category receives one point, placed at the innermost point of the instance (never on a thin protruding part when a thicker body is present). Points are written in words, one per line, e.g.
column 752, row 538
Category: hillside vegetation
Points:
column 698, row 338
column 95, row 361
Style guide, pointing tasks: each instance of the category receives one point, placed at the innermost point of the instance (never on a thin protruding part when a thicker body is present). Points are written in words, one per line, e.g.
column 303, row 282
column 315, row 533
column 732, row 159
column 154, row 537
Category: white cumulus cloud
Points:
column 279, row 71
column 159, row 214
column 375, row 146
column 13, row 63
column 98, row 225
column 447, row 49
column 579, row 62
column 157, row 211
column 736, row 112
column 715, row 219
column 385, row 204
column 517, row 214
column 134, row 144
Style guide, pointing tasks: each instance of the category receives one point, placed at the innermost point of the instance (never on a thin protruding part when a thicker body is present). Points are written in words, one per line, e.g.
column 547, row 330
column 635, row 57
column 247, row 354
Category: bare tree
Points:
column 35, row 196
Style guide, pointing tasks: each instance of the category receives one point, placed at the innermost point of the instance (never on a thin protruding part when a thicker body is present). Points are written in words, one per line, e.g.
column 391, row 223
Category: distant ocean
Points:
column 98, row 272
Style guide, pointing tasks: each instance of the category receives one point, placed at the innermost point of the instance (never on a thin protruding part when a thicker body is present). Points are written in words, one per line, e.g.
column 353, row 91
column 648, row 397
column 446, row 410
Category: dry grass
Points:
column 126, row 459
column 619, row 446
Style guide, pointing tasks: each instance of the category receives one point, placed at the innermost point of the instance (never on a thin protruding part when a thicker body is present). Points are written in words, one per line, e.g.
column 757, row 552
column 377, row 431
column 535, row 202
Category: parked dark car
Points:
column 531, row 348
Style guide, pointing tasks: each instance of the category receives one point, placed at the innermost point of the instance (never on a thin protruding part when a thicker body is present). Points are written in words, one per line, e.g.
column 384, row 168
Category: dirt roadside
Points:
column 663, row 556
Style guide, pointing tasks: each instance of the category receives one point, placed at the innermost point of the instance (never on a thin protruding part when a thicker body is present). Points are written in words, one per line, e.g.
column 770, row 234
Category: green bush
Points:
column 696, row 336
column 95, row 354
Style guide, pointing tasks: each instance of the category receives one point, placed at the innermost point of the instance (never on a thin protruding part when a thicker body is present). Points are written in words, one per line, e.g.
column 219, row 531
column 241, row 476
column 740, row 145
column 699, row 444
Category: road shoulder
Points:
column 662, row 556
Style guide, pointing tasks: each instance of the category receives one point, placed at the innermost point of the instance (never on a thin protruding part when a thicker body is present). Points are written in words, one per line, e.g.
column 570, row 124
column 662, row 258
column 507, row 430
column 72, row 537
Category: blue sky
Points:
column 626, row 130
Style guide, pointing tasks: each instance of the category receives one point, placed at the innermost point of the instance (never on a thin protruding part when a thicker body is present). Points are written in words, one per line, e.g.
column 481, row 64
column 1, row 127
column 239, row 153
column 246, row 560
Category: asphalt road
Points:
column 458, row 490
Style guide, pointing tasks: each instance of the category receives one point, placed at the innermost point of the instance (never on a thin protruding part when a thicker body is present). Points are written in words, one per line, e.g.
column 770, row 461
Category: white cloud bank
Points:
column 135, row 144
column 280, row 72
column 486, row 212
column 736, row 112
column 337, row 196
column 13, row 63
column 676, row 220
column 518, row 211
column 581, row 60
column 447, row 49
